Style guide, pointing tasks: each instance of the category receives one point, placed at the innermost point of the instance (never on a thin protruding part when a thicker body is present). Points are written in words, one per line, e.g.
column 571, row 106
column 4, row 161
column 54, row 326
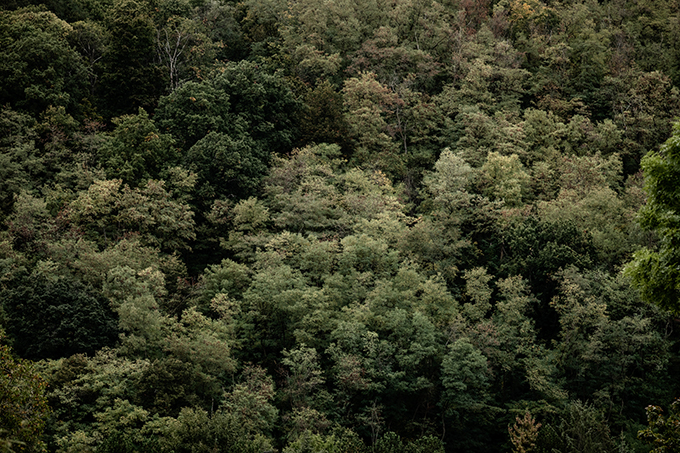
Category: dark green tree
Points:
column 131, row 77
column 49, row 316
column 535, row 249
column 137, row 151
column 38, row 67
column 227, row 167
column 230, row 125
column 580, row 427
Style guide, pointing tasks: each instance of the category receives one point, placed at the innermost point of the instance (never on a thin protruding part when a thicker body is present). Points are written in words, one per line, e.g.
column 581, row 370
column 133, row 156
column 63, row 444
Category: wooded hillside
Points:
column 339, row 226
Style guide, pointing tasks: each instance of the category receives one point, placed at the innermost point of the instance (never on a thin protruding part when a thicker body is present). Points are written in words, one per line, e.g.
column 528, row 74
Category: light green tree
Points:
column 656, row 272
column 465, row 377
column 504, row 178
column 23, row 406
column 663, row 432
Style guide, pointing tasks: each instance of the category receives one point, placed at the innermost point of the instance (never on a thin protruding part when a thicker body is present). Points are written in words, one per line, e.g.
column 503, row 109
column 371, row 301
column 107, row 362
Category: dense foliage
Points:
column 348, row 226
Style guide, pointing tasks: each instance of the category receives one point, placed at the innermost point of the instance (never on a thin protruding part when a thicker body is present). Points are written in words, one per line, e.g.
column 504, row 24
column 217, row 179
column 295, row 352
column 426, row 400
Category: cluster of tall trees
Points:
column 347, row 226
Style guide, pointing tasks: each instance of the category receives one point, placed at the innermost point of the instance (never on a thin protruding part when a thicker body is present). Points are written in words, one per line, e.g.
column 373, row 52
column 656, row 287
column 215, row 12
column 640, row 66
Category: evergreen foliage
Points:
column 348, row 226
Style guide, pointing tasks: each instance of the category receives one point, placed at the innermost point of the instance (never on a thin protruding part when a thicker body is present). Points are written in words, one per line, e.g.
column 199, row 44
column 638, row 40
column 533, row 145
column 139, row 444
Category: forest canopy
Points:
column 347, row 226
